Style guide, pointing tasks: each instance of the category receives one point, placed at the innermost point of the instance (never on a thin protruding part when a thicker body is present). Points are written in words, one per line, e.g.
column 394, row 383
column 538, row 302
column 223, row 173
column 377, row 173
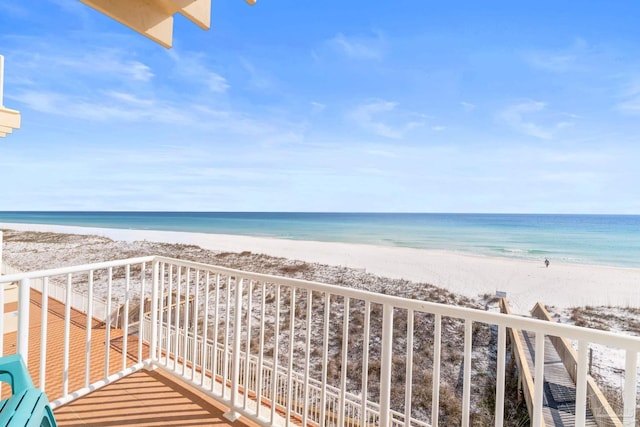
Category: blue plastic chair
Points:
column 27, row 406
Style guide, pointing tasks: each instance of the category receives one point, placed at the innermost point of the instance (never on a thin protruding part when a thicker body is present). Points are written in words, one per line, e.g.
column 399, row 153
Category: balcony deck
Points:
column 259, row 364
column 145, row 398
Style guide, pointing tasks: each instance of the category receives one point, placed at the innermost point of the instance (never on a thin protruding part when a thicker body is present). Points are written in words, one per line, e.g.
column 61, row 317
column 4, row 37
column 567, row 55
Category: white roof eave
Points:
column 9, row 119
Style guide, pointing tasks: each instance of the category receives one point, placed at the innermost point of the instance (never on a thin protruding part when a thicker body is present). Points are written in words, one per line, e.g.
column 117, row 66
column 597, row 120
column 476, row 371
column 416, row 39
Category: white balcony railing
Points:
column 58, row 290
column 281, row 350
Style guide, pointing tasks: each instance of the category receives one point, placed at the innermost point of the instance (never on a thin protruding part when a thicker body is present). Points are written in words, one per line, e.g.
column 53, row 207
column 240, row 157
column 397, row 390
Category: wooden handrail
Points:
column 524, row 372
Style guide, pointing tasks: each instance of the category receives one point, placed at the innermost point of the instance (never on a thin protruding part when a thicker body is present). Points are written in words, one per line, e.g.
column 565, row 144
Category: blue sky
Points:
column 459, row 106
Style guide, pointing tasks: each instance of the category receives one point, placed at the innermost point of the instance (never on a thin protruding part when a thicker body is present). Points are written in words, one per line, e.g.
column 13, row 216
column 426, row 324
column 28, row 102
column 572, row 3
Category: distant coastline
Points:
column 612, row 240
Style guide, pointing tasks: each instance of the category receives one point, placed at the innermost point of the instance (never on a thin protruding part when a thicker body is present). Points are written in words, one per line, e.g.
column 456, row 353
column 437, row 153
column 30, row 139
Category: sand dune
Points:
column 525, row 282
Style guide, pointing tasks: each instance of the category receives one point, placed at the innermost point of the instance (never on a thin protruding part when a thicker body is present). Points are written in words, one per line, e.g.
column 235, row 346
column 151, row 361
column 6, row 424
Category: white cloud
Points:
column 38, row 100
column 241, row 123
column 43, row 64
column 552, row 62
column 631, row 98
column 572, row 178
column 372, row 171
column 16, row 9
column 516, row 117
column 631, row 106
column 467, row 106
column 562, row 125
column 534, row 119
column 107, row 62
column 257, row 77
column 317, row 107
column 385, row 119
column 360, row 47
column 283, row 137
column 562, row 60
column 381, row 152
column 122, row 107
column 129, row 98
column 137, row 71
column 193, row 67
column 216, row 83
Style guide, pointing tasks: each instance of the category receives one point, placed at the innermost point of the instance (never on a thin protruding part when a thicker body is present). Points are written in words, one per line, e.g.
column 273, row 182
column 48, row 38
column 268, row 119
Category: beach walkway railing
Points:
column 603, row 413
column 293, row 351
column 518, row 356
column 560, row 376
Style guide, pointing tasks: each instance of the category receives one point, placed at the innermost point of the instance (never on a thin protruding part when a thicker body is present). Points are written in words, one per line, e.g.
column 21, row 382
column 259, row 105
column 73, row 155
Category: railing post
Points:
column 466, row 382
column 23, row 319
column 538, row 380
column 107, row 320
column 500, row 375
column 386, row 365
column 44, row 309
column 87, row 362
column 232, row 414
column 581, row 385
column 630, row 384
column 409, row 369
column 66, row 340
column 437, row 351
column 154, row 312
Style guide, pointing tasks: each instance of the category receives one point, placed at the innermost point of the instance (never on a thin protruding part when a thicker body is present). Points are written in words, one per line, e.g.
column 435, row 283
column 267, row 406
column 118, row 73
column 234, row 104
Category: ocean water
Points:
column 589, row 239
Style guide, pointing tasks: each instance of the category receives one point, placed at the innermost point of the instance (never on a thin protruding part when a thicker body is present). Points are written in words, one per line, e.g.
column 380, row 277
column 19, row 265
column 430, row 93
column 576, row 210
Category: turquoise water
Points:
column 592, row 239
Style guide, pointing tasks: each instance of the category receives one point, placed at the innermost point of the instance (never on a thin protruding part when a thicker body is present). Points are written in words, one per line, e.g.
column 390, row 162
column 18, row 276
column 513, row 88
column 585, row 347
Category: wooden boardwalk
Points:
column 559, row 390
column 560, row 367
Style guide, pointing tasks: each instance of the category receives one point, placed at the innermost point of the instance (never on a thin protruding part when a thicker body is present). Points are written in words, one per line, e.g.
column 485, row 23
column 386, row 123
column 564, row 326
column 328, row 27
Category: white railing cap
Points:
column 73, row 269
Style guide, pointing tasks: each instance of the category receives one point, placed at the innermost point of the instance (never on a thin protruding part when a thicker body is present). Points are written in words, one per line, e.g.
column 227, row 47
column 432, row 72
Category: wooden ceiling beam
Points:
column 154, row 18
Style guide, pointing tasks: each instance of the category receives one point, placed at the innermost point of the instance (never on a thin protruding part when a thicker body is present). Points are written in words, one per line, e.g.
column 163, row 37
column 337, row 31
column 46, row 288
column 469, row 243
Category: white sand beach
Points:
column 525, row 282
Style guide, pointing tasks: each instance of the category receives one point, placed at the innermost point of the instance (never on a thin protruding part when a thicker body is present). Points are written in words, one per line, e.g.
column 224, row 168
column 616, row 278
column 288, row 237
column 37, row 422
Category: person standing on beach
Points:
column 546, row 262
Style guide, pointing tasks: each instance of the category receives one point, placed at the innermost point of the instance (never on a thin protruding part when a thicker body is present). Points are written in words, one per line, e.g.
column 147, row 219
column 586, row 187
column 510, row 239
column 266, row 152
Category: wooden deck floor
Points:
column 146, row 398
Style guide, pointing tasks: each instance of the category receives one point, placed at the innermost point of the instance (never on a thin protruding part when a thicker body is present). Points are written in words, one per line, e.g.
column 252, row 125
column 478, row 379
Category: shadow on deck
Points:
column 145, row 398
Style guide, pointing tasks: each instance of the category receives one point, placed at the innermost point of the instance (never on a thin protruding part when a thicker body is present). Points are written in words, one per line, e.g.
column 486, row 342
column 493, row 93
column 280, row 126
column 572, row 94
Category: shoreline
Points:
column 525, row 282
